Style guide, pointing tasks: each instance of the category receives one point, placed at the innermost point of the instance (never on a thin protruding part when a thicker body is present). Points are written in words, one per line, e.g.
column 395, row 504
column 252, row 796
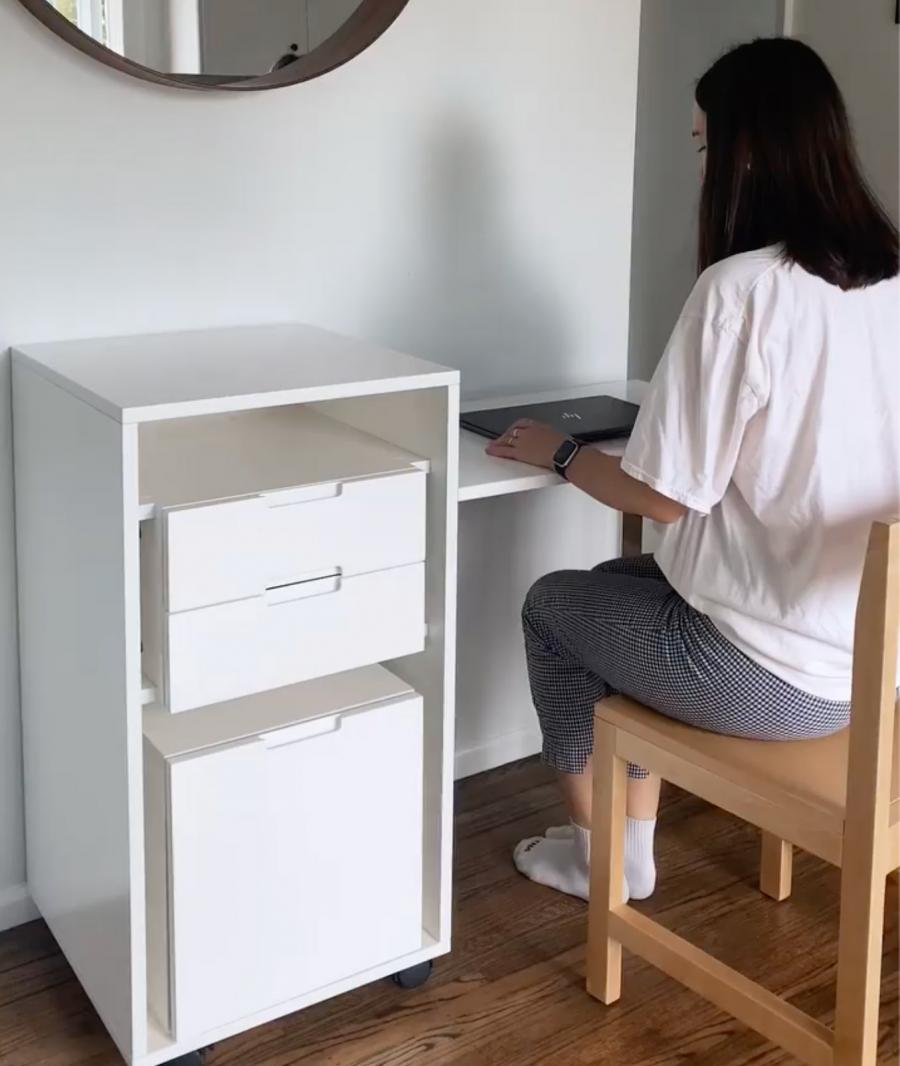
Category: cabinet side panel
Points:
column 76, row 493
column 426, row 422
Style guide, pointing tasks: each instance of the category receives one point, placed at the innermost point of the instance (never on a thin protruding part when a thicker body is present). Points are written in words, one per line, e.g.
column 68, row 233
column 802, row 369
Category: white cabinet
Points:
column 287, row 859
column 243, row 509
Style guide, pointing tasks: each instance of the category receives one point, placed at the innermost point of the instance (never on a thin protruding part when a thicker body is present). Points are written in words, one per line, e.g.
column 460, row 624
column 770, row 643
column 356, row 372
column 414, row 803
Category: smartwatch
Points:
column 565, row 456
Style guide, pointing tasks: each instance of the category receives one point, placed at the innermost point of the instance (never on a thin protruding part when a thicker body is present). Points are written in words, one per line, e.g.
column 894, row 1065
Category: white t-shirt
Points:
column 775, row 417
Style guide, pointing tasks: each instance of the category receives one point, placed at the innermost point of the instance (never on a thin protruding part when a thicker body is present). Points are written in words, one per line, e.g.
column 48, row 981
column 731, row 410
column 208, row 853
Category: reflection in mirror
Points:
column 220, row 39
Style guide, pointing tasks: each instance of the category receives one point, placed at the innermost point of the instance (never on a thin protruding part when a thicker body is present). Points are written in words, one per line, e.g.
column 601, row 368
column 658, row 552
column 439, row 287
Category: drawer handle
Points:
column 318, row 727
column 303, row 494
column 326, row 585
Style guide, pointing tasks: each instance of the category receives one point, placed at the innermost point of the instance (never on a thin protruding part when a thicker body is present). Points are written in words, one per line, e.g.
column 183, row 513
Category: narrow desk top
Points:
column 482, row 476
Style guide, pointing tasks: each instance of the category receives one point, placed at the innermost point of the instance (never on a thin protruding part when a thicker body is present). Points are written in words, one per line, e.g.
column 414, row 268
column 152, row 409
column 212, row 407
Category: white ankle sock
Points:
column 557, row 863
column 561, row 861
column 640, row 867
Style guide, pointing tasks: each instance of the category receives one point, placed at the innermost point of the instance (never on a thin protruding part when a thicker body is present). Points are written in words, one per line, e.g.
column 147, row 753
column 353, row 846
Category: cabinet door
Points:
column 219, row 924
column 345, row 823
column 296, row 860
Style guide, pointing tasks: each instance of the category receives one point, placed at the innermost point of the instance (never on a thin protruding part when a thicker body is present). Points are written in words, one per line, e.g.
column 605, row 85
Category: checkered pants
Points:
column 622, row 628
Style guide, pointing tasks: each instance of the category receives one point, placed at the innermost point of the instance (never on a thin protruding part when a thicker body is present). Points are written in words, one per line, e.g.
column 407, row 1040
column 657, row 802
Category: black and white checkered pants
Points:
column 622, row 628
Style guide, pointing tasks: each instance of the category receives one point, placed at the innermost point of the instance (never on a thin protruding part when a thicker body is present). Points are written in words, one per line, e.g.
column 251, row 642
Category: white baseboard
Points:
column 497, row 751
column 16, row 907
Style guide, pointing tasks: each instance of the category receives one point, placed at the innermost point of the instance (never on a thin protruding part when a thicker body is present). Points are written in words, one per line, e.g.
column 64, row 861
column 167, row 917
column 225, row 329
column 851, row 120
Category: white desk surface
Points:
column 482, row 475
column 201, row 372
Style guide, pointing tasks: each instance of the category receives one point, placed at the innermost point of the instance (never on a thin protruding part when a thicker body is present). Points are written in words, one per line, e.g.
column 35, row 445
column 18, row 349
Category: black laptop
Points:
column 587, row 419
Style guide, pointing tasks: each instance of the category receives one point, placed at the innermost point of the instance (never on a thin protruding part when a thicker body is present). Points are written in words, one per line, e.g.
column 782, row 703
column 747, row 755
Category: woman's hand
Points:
column 528, row 442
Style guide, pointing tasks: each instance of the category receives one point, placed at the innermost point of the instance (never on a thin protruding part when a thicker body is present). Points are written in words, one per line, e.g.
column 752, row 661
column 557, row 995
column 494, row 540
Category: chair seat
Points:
column 812, row 771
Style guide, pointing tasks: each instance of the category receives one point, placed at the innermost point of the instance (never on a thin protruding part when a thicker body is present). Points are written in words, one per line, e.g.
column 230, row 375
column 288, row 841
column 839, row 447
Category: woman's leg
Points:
column 589, row 634
column 642, row 795
column 642, row 790
column 565, row 693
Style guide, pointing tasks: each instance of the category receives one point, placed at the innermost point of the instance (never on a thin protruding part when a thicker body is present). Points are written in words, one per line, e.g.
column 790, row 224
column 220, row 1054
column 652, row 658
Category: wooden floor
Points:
column 512, row 990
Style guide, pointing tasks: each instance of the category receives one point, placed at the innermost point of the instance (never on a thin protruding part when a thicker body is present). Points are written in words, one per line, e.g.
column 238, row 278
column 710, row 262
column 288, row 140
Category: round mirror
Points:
column 220, row 44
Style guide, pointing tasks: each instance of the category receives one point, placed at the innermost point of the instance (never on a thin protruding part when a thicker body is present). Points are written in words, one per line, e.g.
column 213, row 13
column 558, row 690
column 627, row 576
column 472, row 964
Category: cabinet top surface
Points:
column 175, row 375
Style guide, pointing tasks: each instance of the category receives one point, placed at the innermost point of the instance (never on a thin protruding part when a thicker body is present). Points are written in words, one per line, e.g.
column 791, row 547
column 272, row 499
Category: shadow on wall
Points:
column 475, row 299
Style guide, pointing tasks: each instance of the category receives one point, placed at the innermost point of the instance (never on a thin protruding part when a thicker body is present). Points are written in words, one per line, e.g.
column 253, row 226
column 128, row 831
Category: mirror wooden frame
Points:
column 367, row 23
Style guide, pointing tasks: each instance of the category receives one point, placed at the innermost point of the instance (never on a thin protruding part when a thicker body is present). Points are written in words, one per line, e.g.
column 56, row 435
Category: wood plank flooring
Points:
column 511, row 993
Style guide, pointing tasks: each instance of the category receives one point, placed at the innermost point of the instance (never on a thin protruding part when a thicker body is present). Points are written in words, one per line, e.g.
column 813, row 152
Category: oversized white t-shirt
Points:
column 775, row 417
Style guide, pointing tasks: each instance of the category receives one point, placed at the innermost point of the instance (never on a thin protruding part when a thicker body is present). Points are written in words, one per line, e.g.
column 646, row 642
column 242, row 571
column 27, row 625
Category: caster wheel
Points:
column 414, row 976
column 193, row 1058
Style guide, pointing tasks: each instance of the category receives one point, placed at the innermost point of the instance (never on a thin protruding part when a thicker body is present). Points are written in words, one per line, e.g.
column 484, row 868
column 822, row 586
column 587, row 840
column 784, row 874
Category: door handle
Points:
column 303, row 494
column 280, row 738
column 324, row 585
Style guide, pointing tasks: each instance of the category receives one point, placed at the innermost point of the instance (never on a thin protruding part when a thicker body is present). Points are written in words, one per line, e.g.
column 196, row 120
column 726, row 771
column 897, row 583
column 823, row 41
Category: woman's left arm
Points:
column 600, row 476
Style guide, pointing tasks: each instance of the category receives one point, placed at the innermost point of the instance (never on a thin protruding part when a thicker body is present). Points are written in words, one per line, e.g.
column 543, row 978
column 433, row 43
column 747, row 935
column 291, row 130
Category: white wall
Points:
column 462, row 190
column 678, row 42
column 860, row 42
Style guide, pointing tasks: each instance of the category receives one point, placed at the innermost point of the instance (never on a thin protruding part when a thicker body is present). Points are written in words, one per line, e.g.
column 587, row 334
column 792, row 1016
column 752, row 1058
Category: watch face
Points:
column 565, row 453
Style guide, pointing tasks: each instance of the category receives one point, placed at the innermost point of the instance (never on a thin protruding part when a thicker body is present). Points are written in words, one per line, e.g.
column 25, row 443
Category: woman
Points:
column 769, row 441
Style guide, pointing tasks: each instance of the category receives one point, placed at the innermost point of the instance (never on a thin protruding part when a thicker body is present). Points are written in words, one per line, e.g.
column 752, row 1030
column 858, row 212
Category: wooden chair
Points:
column 836, row 798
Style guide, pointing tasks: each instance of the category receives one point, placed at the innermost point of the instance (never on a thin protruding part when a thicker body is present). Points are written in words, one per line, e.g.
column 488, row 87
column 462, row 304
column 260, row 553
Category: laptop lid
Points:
column 588, row 418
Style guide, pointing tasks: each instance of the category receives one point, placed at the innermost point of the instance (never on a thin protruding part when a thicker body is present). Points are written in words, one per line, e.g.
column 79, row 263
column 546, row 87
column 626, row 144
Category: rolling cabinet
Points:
column 237, row 613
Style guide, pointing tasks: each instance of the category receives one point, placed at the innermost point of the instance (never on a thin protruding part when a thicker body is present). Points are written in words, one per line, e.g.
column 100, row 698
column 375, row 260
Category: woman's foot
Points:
column 561, row 861
column 557, row 866
column 555, row 863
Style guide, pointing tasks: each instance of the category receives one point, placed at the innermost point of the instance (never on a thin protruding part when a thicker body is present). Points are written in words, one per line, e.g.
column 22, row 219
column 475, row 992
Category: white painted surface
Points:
column 343, row 527
column 182, row 375
column 16, row 907
column 427, row 423
column 453, row 192
column 291, row 634
column 250, row 452
column 172, row 735
column 269, row 899
column 76, row 488
column 860, row 42
column 678, row 42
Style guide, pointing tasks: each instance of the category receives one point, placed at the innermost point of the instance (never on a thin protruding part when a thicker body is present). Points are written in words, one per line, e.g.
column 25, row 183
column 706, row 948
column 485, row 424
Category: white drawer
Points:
column 268, row 877
column 239, row 548
column 293, row 634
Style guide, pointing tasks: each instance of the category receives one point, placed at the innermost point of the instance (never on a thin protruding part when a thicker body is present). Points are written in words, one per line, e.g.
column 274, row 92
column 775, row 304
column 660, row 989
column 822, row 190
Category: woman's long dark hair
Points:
column 781, row 167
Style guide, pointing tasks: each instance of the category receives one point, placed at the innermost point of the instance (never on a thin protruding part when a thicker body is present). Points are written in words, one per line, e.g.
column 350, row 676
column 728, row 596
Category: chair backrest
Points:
column 874, row 700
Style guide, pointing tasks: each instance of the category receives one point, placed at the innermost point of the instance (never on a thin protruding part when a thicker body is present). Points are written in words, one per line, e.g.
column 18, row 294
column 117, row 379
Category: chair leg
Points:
column 859, row 965
column 604, row 955
column 776, row 867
